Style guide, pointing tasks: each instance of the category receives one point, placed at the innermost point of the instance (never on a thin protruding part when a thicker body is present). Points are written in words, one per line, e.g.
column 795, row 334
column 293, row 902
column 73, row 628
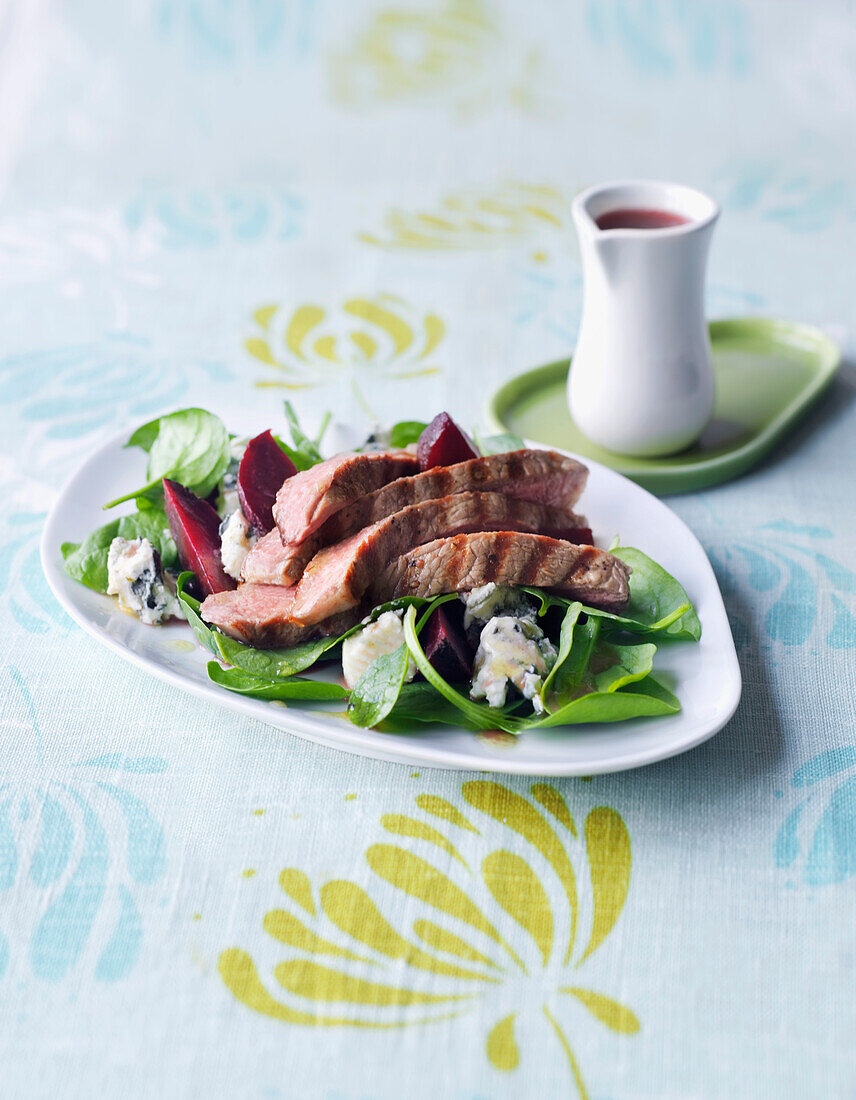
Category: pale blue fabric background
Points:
column 169, row 167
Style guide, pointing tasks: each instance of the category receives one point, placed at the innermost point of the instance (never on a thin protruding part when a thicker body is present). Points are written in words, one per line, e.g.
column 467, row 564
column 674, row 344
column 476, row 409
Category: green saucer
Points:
column 767, row 375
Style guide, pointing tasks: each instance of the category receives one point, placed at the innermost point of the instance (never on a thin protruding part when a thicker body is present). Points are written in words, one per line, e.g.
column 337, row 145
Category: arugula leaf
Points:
column 295, row 688
column 615, row 666
column 304, row 452
column 498, row 444
column 191, row 447
column 87, row 561
column 646, row 698
column 478, row 716
column 377, row 690
column 406, row 432
column 203, row 632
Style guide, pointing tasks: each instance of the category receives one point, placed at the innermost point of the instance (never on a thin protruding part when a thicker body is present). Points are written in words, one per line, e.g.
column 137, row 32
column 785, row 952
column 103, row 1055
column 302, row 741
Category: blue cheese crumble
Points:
column 384, row 635
column 482, row 604
column 237, row 539
column 512, row 650
column 134, row 575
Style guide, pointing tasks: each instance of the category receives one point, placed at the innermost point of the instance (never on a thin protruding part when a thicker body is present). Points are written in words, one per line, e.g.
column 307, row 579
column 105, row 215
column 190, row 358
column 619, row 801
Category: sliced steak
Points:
column 467, row 561
column 267, row 562
column 542, row 476
column 260, row 615
column 337, row 578
column 308, row 498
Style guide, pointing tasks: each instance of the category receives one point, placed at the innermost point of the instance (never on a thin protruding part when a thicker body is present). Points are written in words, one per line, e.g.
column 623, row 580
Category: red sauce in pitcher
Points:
column 639, row 218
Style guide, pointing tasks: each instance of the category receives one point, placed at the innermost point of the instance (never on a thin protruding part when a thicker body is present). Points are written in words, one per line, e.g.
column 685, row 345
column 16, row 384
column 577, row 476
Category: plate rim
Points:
column 739, row 459
column 402, row 751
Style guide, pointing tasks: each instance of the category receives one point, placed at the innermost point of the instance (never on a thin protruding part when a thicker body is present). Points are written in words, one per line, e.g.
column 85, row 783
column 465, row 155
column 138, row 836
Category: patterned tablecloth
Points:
column 364, row 207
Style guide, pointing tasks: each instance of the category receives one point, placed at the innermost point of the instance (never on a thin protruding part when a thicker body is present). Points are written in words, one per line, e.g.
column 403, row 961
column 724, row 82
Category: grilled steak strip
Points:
column 260, row 615
column 308, row 498
column 543, row 476
column 337, row 578
column 466, row 561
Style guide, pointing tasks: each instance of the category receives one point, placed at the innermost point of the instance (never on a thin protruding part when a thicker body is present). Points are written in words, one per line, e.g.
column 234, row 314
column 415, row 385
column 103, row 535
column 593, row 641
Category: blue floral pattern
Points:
column 818, row 837
column 85, row 847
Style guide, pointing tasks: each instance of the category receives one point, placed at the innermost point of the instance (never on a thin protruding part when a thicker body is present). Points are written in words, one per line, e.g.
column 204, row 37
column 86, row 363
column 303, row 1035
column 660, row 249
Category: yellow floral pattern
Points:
column 489, row 917
column 310, row 345
column 508, row 214
column 406, row 53
column 454, row 52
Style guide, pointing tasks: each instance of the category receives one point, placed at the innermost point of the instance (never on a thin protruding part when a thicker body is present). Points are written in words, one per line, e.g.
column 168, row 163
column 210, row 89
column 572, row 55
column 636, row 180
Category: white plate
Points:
column 706, row 676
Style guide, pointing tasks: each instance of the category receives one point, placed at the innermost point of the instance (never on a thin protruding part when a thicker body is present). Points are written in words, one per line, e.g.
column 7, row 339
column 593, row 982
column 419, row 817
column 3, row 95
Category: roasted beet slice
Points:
column 446, row 646
column 263, row 469
column 443, row 443
column 195, row 526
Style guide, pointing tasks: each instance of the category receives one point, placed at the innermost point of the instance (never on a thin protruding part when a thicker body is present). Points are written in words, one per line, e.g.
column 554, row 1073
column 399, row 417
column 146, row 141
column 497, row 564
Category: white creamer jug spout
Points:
column 641, row 380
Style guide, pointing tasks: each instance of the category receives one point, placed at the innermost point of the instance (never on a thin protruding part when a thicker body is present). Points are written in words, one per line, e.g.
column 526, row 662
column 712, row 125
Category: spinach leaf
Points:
column 646, row 698
column 145, row 435
column 191, row 447
column 498, row 444
column 87, row 561
column 566, row 641
column 479, row 717
column 658, row 603
column 203, row 632
column 251, row 686
column 272, row 664
column 418, row 704
column 406, row 432
column 375, row 693
column 303, row 452
column 151, row 523
column 615, row 666
column 571, row 676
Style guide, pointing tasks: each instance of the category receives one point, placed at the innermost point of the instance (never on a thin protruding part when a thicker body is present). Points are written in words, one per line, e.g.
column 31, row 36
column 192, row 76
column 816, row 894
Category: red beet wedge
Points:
column 263, row 469
column 195, row 526
column 446, row 647
column 442, row 443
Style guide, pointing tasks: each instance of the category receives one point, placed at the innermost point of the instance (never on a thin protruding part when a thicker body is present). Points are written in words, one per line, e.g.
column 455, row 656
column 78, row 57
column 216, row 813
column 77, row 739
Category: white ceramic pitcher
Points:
column 641, row 380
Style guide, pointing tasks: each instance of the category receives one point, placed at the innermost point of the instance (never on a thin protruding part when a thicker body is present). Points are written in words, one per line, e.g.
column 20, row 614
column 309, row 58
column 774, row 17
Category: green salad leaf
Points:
column 614, row 666
column 406, row 432
column 417, row 704
column 204, row 634
column 498, row 444
column 377, row 690
column 645, row 698
column 253, row 687
column 658, row 603
column 304, row 452
column 87, row 561
column 566, row 642
column 190, row 446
